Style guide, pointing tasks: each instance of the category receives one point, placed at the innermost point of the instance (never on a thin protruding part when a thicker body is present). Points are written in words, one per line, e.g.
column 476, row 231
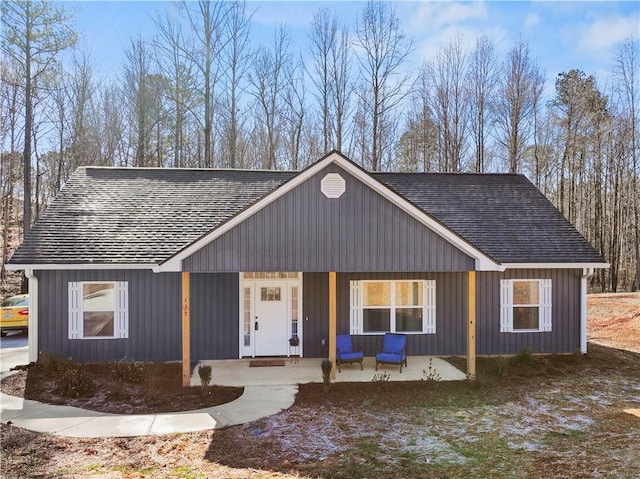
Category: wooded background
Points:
column 200, row 94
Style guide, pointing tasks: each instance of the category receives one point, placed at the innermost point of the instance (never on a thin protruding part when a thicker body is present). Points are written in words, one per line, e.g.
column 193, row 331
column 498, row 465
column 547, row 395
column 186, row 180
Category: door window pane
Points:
column 270, row 294
column 246, row 318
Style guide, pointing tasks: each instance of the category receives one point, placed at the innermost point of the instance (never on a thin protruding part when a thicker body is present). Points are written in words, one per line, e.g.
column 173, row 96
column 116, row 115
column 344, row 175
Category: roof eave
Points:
column 577, row 265
column 80, row 266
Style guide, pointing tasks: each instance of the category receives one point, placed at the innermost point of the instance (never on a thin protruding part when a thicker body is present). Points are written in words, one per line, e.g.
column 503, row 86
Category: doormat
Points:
column 261, row 363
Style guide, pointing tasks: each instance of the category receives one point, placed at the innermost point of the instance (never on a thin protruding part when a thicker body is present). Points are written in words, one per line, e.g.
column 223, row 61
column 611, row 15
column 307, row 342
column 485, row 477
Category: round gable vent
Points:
column 332, row 185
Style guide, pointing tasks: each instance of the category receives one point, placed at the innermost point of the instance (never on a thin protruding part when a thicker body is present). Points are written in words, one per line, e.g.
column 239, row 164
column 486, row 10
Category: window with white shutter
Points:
column 98, row 310
column 525, row 305
column 398, row 306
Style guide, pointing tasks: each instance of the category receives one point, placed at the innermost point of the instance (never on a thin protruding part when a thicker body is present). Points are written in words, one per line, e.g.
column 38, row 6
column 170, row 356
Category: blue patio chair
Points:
column 393, row 350
column 345, row 352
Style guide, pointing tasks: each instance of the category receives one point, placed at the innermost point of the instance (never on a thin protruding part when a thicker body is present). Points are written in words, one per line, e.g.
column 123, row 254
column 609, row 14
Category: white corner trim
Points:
column 483, row 262
column 33, row 316
column 554, row 266
column 586, row 274
column 82, row 266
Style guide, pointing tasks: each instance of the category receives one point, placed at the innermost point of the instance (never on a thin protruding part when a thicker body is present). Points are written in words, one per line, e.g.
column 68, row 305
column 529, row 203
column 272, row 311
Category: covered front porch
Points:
column 308, row 369
column 238, row 372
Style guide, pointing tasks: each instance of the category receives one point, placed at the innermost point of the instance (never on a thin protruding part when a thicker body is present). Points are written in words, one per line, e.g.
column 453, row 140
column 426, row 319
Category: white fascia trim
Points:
column 83, row 266
column 554, row 266
column 483, row 262
column 32, row 344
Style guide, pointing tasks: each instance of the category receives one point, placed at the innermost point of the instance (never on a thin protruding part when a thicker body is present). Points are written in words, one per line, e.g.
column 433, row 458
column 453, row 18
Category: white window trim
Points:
column 120, row 310
column 428, row 306
column 545, row 320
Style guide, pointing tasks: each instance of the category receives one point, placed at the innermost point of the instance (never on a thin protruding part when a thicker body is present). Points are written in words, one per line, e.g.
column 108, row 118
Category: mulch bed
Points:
column 119, row 388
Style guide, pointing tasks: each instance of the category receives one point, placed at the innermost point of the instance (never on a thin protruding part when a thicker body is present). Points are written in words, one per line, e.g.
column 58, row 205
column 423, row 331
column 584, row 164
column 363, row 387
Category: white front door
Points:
column 270, row 314
column 271, row 318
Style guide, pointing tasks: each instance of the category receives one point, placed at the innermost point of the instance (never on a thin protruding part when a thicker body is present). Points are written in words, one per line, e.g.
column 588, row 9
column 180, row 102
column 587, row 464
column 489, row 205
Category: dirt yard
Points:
column 526, row 417
column 614, row 320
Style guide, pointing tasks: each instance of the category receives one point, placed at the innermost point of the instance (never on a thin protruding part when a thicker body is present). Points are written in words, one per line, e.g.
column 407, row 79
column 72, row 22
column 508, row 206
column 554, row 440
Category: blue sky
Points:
column 562, row 34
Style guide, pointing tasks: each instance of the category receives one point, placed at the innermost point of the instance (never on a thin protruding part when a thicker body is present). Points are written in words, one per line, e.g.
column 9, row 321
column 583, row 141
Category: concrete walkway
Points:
column 271, row 390
column 256, row 402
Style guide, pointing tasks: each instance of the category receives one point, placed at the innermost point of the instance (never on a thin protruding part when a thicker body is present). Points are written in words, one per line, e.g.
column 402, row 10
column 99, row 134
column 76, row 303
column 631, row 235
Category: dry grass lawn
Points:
column 542, row 417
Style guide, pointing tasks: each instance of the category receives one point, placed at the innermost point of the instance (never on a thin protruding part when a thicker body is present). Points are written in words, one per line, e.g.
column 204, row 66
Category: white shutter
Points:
column 355, row 318
column 75, row 311
column 429, row 320
column 506, row 306
column 121, row 313
column 545, row 304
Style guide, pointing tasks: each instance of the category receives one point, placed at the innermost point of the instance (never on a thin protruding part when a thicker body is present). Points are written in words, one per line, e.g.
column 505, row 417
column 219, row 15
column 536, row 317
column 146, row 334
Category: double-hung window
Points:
column 98, row 310
column 398, row 306
column 525, row 305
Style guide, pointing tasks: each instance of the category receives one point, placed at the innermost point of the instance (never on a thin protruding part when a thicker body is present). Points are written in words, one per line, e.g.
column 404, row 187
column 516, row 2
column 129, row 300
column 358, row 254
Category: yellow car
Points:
column 14, row 314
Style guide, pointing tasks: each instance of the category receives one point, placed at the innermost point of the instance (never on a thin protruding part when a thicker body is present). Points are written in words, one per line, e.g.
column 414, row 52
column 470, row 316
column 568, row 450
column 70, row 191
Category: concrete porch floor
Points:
column 236, row 372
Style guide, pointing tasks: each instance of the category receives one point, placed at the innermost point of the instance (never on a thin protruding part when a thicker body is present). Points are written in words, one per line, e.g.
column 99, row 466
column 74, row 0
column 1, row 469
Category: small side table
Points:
column 294, row 352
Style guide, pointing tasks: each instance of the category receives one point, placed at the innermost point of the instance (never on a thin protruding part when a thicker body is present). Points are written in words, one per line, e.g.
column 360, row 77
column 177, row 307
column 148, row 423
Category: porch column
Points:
column 471, row 326
column 186, row 331
column 333, row 312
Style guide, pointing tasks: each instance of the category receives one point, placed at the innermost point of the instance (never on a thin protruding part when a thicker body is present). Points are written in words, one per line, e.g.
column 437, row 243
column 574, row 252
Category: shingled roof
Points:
column 503, row 215
column 144, row 216
column 138, row 215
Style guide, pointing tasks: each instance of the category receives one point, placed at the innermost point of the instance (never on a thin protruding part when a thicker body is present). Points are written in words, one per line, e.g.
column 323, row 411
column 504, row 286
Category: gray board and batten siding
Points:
column 155, row 329
column 565, row 310
column 451, row 314
column 305, row 231
column 155, row 315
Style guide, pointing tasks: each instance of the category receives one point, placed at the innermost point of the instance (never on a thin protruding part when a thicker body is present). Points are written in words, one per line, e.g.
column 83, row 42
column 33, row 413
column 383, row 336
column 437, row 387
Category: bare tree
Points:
column 33, row 35
column 206, row 21
column 514, row 108
column 10, row 101
column 450, row 105
column 294, row 114
column 323, row 36
column 268, row 85
column 482, row 76
column 417, row 148
column 236, row 56
column 627, row 72
column 179, row 71
column 382, row 49
column 139, row 91
column 331, row 57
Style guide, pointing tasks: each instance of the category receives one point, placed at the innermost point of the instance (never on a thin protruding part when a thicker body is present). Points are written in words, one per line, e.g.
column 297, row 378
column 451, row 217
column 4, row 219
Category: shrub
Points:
column 204, row 371
column 525, row 355
column 502, row 363
column 431, row 374
column 383, row 377
column 126, row 371
column 76, row 381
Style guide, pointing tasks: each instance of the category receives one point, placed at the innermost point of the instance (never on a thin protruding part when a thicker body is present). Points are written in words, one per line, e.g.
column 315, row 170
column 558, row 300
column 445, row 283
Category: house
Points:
column 185, row 264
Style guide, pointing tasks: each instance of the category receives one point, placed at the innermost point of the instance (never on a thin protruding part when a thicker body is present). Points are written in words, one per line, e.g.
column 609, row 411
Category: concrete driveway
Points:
column 13, row 351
